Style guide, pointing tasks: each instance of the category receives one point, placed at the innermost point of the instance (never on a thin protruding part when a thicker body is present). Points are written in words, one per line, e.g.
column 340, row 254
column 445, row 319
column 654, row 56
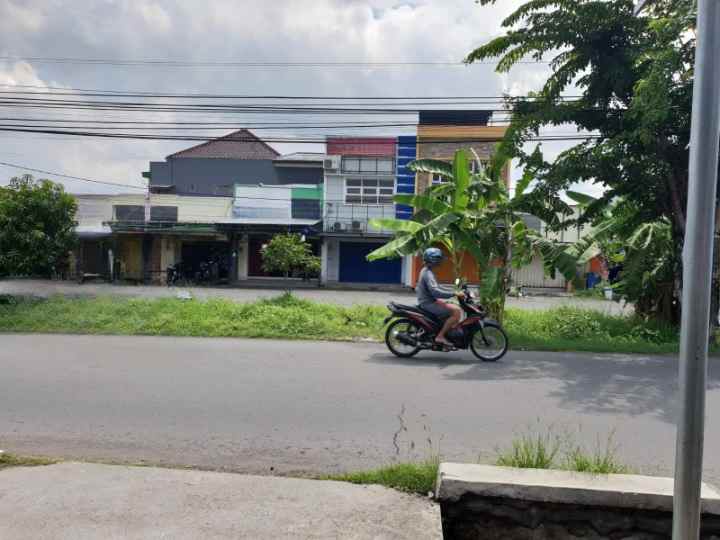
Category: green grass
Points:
column 409, row 477
column 531, row 451
column 579, row 329
column 289, row 317
column 11, row 460
column 548, row 450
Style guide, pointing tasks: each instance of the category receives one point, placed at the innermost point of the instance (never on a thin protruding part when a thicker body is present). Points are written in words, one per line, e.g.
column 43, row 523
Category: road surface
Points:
column 47, row 288
column 308, row 407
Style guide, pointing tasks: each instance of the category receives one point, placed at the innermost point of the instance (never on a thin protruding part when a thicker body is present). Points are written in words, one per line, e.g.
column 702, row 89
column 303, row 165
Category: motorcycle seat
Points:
column 418, row 309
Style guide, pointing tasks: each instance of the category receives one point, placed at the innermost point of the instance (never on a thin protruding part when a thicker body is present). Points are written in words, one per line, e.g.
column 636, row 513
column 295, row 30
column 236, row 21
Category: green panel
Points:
column 309, row 193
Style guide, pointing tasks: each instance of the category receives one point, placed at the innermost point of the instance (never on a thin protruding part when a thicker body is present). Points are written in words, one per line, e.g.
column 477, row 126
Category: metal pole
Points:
column 697, row 272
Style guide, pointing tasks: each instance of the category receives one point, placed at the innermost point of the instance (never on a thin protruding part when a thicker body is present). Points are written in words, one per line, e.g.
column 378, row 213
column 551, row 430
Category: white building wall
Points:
column 332, row 259
column 195, row 209
column 350, row 217
column 242, row 262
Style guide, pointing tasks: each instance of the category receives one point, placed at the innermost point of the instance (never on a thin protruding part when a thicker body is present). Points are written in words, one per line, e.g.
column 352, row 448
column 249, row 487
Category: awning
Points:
column 92, row 231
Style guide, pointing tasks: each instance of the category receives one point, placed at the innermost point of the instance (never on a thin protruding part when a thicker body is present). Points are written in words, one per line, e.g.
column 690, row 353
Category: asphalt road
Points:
column 288, row 407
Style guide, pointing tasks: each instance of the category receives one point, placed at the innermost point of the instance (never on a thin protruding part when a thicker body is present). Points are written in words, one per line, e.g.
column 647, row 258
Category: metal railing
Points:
column 339, row 217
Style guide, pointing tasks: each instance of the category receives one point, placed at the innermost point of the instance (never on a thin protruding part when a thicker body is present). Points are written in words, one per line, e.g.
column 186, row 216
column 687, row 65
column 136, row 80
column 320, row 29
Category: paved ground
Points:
column 84, row 501
column 278, row 407
column 345, row 297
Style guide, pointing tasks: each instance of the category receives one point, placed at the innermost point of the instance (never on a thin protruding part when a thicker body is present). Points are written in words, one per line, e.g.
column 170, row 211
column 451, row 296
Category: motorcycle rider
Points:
column 431, row 297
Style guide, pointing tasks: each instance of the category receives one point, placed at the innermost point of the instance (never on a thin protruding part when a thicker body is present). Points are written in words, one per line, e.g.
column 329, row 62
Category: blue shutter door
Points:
column 354, row 267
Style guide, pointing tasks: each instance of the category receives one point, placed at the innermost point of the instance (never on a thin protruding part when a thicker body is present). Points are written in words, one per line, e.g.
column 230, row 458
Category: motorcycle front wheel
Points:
column 489, row 343
column 397, row 331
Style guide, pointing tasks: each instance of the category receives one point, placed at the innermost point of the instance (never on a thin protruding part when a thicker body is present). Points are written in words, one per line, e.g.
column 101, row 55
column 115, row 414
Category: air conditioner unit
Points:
column 331, row 163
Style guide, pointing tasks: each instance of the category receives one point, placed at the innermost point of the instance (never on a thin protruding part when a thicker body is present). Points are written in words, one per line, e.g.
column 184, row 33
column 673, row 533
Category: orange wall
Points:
column 444, row 272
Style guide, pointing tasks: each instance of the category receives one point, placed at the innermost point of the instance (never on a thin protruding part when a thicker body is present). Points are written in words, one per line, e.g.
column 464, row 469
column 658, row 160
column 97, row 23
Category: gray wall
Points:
column 205, row 176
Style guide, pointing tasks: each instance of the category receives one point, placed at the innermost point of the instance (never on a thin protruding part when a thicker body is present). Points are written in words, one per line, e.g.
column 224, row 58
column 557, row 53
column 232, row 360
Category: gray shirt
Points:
column 427, row 288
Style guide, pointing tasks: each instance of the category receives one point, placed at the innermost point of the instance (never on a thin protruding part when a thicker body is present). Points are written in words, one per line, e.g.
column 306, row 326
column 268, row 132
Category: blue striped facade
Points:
column 405, row 179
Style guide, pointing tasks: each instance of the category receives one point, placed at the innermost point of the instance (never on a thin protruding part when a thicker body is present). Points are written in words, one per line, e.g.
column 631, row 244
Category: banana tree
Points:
column 645, row 251
column 474, row 213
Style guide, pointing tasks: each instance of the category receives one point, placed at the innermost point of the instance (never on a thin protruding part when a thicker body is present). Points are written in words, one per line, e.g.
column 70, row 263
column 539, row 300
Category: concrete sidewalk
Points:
column 88, row 501
column 47, row 288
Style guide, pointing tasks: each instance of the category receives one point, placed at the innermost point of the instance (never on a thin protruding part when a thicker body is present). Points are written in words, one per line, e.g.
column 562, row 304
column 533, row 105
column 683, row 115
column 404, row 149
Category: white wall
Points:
column 242, row 262
column 533, row 275
column 331, row 248
column 337, row 211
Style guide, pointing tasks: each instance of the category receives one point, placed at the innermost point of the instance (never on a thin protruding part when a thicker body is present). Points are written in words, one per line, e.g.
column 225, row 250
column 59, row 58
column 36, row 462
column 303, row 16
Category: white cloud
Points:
column 24, row 18
column 155, row 17
column 227, row 30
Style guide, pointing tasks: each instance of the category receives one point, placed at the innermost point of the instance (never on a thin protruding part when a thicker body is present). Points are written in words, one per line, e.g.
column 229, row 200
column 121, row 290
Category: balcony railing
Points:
column 345, row 218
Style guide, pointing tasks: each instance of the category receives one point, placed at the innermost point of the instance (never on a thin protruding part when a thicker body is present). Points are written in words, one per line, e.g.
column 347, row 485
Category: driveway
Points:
column 280, row 407
column 45, row 288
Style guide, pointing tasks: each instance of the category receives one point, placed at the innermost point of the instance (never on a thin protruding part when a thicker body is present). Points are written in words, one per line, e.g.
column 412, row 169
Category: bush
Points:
column 287, row 254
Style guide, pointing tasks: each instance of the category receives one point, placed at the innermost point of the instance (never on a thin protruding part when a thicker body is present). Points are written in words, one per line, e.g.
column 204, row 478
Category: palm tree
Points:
column 474, row 213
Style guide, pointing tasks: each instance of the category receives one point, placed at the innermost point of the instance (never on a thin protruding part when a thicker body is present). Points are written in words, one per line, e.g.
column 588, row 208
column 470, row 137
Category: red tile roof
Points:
column 241, row 144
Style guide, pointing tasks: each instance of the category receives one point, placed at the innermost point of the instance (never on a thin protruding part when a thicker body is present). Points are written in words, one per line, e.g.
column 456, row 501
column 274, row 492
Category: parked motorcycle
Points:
column 414, row 329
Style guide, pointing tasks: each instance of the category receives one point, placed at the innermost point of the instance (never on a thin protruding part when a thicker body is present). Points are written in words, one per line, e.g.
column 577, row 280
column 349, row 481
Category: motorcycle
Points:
column 413, row 329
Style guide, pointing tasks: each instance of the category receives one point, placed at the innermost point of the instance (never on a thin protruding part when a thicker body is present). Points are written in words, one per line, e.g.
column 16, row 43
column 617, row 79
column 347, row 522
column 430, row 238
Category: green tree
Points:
column 289, row 253
column 645, row 253
column 37, row 222
column 631, row 81
column 475, row 214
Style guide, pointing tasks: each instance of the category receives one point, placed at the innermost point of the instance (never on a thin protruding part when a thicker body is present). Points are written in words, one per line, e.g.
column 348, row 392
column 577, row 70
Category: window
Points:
column 369, row 191
column 370, row 165
column 475, row 167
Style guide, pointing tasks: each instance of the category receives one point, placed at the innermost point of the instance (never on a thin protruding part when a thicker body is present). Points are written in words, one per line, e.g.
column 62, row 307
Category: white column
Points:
column 242, row 262
column 324, row 260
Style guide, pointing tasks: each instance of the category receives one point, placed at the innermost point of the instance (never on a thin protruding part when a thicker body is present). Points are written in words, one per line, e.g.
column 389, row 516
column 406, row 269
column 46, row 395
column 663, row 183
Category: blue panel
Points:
column 405, row 179
column 355, row 268
column 404, row 161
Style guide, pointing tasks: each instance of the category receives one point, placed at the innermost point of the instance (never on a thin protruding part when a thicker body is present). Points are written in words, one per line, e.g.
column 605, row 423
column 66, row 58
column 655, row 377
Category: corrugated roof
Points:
column 240, row 144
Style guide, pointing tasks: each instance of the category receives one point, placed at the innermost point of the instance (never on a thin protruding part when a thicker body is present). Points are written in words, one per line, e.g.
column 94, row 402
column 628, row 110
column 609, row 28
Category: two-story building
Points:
column 221, row 200
column 362, row 175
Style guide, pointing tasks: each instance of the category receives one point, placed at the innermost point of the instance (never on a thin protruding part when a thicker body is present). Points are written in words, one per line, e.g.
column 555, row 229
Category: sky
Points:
column 234, row 31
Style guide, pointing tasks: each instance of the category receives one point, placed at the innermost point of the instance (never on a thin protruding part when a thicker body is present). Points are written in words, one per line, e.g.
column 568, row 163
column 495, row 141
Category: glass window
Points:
column 368, row 165
column 371, row 191
column 438, row 179
column 351, row 165
column 385, row 165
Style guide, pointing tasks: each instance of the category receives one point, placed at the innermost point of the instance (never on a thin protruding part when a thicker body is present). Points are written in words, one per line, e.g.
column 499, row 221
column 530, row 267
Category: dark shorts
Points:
column 440, row 311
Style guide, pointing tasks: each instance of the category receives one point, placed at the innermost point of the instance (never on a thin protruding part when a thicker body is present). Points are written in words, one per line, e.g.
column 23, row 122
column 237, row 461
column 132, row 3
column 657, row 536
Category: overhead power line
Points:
column 169, row 63
column 61, row 175
column 161, row 137
column 59, row 91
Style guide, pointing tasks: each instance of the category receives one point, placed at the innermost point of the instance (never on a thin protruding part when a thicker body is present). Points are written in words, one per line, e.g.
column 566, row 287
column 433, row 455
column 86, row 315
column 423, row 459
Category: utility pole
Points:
column 697, row 273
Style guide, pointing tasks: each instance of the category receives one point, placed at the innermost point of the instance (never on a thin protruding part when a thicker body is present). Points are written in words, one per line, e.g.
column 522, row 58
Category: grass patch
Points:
column 531, row 452
column 578, row 329
column 408, row 477
column 549, row 450
column 11, row 460
column 290, row 317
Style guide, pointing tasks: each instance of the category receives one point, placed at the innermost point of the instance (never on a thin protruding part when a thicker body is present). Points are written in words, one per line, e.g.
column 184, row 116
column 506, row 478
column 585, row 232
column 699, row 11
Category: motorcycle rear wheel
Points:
column 397, row 347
